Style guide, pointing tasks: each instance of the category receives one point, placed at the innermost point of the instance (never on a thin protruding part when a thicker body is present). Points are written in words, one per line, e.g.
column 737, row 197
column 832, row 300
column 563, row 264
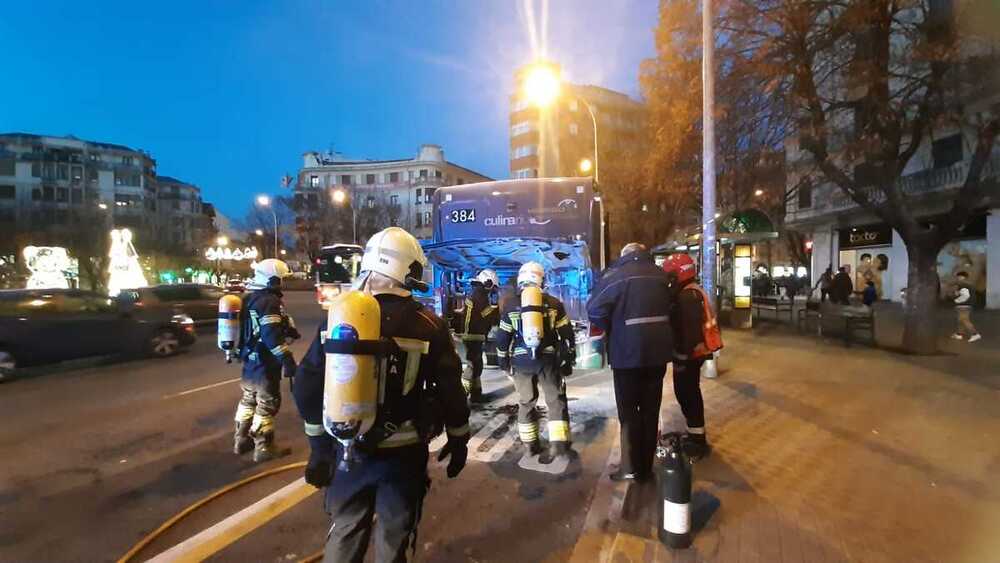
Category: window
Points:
column 127, row 160
column 370, row 202
column 419, row 194
column 369, row 179
column 345, row 179
column 94, row 157
column 7, row 167
column 76, row 195
column 420, row 220
column 523, row 151
column 427, row 218
column 947, row 151
column 437, row 174
column 76, row 174
column 314, row 181
column 409, row 174
column 393, row 177
column 91, row 174
column 805, row 195
column 177, row 205
column 62, row 172
column 36, row 194
column 429, row 194
column 394, row 200
column 423, row 173
column 7, row 192
column 525, row 173
column 62, row 195
column 48, row 194
column 48, row 171
column 573, row 129
column 37, row 149
column 36, row 169
column 520, row 128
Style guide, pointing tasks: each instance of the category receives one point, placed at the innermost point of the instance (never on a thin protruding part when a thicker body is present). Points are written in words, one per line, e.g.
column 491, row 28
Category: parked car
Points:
column 199, row 301
column 39, row 326
column 236, row 285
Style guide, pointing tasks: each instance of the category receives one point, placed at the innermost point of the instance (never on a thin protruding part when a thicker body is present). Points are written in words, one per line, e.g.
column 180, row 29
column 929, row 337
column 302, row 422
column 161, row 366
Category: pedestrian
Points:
column 543, row 366
column 825, row 283
column 843, row 287
column 696, row 339
column 265, row 332
column 478, row 317
column 963, row 306
column 631, row 303
column 870, row 295
column 383, row 491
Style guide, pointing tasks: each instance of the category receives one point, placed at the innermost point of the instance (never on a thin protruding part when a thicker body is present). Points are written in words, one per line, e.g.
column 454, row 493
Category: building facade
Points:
column 48, row 183
column 185, row 221
column 551, row 142
column 373, row 193
column 843, row 234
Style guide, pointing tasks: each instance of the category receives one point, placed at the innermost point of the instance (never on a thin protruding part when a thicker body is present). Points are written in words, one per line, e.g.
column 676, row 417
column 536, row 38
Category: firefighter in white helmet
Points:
column 265, row 333
column 423, row 395
column 536, row 343
column 477, row 318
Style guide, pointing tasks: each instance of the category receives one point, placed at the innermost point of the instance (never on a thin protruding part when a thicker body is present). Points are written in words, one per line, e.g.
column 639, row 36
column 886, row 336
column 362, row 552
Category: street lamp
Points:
column 222, row 241
column 586, row 166
column 340, row 197
column 264, row 201
column 758, row 193
column 541, row 88
column 259, row 232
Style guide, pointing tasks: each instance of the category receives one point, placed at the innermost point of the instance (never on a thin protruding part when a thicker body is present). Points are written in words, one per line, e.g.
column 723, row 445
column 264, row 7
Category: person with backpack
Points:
column 696, row 339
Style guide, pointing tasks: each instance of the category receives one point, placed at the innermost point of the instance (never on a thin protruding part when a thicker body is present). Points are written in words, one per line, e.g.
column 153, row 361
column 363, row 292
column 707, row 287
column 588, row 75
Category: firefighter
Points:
column 479, row 317
column 265, row 332
column 384, row 486
column 696, row 339
column 538, row 363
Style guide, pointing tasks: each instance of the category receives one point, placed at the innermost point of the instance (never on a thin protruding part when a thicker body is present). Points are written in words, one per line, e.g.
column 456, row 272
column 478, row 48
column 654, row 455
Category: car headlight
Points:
column 183, row 320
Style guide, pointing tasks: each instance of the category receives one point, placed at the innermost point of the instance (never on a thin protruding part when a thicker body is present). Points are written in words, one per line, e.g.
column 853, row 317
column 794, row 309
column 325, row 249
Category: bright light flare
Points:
column 339, row 196
column 263, row 200
column 541, row 86
column 586, row 165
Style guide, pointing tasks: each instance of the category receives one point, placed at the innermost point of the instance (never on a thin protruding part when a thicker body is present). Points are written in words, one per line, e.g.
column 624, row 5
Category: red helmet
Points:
column 681, row 266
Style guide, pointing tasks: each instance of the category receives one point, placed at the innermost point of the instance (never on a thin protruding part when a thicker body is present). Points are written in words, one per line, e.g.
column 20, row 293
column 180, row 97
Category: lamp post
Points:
column 542, row 89
column 264, row 201
column 340, row 197
column 708, row 214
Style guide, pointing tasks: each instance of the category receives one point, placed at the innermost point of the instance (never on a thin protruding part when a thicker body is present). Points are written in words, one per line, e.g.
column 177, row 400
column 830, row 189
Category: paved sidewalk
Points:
column 823, row 453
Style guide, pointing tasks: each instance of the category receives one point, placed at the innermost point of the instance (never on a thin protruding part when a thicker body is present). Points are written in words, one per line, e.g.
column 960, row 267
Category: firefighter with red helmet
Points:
column 696, row 339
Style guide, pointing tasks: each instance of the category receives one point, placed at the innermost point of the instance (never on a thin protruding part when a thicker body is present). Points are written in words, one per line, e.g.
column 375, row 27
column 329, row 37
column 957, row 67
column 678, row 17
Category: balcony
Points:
column 830, row 199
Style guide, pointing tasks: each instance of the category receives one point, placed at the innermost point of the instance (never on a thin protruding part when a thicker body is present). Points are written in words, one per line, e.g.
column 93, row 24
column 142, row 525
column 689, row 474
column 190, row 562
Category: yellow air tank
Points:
column 229, row 324
column 532, row 320
column 350, row 389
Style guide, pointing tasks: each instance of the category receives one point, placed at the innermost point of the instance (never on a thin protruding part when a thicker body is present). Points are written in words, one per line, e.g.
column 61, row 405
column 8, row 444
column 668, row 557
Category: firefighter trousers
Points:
column 687, row 389
column 473, row 373
column 390, row 485
column 260, row 403
column 527, row 383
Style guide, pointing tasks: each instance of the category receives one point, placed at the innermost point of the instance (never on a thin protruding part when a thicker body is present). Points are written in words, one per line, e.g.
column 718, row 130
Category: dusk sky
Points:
column 228, row 95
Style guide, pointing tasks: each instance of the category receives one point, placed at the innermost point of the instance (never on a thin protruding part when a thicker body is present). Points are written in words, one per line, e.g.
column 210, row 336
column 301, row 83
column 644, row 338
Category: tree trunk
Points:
column 920, row 335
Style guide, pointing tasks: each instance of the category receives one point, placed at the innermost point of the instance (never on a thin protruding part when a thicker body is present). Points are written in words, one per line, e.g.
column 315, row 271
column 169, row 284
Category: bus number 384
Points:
column 463, row 216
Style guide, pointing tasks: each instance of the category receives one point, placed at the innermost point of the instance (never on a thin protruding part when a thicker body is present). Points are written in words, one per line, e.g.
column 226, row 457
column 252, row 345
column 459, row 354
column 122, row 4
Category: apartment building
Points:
column 552, row 142
column 382, row 193
column 184, row 220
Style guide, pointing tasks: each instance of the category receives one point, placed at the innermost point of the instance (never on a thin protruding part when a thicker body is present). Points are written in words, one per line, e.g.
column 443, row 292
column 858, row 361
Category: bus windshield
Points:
column 338, row 264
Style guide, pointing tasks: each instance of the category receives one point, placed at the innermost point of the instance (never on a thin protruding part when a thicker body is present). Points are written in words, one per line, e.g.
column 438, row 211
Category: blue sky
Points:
column 228, row 95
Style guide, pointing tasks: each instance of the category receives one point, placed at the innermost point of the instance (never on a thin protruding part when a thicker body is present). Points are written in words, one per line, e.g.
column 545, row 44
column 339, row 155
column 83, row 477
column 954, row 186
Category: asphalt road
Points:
column 96, row 457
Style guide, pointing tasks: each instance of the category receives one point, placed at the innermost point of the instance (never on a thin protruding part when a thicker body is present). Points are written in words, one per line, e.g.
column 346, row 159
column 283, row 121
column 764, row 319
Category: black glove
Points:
column 458, row 449
column 288, row 366
column 319, row 469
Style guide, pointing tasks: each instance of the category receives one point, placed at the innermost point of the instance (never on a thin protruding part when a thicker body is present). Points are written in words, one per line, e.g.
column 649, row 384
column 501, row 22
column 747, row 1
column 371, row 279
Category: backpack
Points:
column 710, row 334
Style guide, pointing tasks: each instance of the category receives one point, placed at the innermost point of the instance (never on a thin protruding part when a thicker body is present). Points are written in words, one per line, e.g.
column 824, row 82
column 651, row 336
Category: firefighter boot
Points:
column 242, row 442
column 558, row 448
column 264, row 448
column 534, row 447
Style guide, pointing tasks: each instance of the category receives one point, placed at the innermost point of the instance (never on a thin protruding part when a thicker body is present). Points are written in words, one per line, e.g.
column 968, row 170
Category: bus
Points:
column 558, row 222
column 334, row 269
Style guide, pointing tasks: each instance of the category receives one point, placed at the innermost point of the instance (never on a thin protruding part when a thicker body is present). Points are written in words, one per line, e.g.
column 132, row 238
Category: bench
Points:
column 855, row 322
column 776, row 305
column 812, row 311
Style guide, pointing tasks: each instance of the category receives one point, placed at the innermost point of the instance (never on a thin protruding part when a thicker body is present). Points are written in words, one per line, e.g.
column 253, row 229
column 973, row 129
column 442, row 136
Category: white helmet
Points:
column 531, row 273
column 395, row 254
column 266, row 271
column 488, row 278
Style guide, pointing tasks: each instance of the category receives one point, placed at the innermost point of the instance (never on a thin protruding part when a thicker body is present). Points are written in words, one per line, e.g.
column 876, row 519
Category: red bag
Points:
column 710, row 334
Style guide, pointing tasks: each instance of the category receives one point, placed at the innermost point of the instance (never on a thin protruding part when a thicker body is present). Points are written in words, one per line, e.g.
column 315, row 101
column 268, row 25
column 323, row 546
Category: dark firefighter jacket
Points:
column 558, row 345
column 687, row 317
column 264, row 329
column 631, row 302
column 423, row 386
column 479, row 316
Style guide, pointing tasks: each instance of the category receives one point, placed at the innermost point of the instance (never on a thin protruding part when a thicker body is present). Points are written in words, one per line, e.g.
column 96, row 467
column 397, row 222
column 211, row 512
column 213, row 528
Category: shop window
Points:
column 947, row 151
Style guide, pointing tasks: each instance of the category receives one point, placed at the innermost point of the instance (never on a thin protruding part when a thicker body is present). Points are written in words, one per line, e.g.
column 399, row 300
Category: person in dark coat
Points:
column 843, row 287
column 631, row 303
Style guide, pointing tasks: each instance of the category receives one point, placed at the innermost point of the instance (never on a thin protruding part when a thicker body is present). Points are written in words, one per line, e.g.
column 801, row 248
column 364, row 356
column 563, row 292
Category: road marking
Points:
column 202, row 388
column 214, row 539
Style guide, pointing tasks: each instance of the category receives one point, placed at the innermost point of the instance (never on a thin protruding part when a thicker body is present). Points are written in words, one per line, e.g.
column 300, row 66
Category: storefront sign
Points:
column 857, row 237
